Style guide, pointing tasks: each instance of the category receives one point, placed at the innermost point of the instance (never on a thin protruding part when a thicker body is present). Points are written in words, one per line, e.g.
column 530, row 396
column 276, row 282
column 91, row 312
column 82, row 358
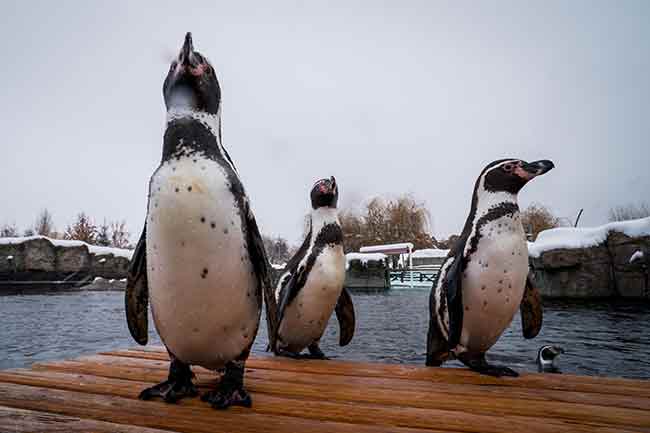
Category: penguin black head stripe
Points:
column 510, row 175
column 191, row 82
column 325, row 193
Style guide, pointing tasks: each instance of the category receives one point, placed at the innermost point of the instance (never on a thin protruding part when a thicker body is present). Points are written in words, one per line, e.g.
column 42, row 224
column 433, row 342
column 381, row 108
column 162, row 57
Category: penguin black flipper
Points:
column 290, row 291
column 452, row 282
column 136, row 295
column 257, row 255
column 531, row 310
column 437, row 346
column 345, row 315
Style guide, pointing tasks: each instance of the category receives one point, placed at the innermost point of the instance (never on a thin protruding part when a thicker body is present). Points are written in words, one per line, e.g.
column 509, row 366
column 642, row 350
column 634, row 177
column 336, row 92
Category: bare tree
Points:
column 353, row 230
column 277, row 249
column 119, row 234
column 44, row 225
column 447, row 244
column 387, row 221
column 83, row 229
column 536, row 218
column 9, row 231
column 103, row 235
column 629, row 212
column 28, row 232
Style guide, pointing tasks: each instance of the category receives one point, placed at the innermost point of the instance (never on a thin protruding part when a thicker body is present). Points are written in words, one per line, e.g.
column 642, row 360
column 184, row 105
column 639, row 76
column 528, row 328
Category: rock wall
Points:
column 599, row 271
column 39, row 259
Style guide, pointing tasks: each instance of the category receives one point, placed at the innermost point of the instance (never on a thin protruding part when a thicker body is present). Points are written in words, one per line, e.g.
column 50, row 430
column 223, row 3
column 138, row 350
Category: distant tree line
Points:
column 381, row 221
column 386, row 221
column 83, row 228
column 629, row 212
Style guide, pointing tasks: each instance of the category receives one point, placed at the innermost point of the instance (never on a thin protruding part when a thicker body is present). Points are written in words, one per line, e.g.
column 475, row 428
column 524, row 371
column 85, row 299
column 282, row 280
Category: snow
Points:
column 570, row 237
column 102, row 260
column 98, row 279
column 429, row 253
column 363, row 258
column 638, row 255
column 278, row 266
column 93, row 249
column 403, row 247
column 10, row 257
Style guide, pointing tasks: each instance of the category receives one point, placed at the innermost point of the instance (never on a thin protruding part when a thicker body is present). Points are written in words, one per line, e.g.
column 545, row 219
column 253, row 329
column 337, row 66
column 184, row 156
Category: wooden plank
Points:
column 478, row 402
column 608, row 400
column 140, row 372
column 563, row 382
column 13, row 420
column 188, row 416
column 323, row 410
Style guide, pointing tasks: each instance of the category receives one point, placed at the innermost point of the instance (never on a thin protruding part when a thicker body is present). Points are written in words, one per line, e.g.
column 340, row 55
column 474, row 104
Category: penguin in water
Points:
column 312, row 286
column 200, row 260
column 484, row 279
column 547, row 359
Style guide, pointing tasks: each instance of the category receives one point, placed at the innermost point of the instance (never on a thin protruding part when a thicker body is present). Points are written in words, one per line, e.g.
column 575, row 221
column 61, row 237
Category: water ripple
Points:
column 605, row 338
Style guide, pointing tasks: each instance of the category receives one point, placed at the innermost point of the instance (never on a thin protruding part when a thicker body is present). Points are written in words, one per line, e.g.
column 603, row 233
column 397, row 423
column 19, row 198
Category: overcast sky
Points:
column 405, row 97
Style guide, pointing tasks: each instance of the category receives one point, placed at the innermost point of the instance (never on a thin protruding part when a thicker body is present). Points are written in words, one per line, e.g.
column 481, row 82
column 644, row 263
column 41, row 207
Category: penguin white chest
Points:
column 494, row 282
column 202, row 284
column 305, row 319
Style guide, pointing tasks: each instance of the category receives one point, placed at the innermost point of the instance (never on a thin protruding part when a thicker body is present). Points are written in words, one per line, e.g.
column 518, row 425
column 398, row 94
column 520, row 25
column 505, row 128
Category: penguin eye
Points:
column 507, row 167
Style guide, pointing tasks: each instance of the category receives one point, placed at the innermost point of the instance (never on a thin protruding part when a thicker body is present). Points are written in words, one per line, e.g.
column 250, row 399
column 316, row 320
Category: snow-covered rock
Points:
column 637, row 256
column 43, row 258
column 93, row 249
column 571, row 237
column 592, row 262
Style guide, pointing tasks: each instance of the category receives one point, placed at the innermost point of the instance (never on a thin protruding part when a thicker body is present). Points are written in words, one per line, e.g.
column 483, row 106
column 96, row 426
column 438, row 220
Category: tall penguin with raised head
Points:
column 200, row 259
column 484, row 279
column 312, row 285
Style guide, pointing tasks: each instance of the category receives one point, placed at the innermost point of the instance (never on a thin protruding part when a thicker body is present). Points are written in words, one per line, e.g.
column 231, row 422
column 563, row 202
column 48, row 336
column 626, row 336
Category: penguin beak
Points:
column 190, row 60
column 186, row 55
column 529, row 170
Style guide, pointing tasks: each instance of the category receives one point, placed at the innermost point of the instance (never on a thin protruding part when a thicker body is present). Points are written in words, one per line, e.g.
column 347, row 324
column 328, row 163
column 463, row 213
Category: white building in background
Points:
column 429, row 257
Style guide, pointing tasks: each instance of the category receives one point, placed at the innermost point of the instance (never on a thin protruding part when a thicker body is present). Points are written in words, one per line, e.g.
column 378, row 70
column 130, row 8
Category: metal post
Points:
column 411, row 266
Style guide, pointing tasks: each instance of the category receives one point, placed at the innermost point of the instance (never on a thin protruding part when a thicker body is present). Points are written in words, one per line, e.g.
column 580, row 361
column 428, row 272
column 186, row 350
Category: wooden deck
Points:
column 98, row 393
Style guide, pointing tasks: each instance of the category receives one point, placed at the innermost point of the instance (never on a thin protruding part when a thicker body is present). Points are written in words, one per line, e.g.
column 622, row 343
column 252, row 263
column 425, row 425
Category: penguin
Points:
column 484, row 278
column 546, row 359
column 312, row 286
column 200, row 260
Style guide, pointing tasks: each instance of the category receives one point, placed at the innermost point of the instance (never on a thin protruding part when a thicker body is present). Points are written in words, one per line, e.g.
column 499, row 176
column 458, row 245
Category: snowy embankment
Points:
column 572, row 238
column 42, row 259
column 605, row 261
column 92, row 249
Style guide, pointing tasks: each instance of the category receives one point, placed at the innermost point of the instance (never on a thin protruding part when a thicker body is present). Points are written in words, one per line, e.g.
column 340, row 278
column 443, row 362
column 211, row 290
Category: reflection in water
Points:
column 604, row 338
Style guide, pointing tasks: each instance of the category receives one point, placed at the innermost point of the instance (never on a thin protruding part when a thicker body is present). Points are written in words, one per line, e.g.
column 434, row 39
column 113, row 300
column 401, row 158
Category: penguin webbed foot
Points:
column 178, row 385
column 315, row 352
column 224, row 397
column 499, row 371
column 432, row 362
column 287, row 354
column 479, row 364
column 230, row 391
